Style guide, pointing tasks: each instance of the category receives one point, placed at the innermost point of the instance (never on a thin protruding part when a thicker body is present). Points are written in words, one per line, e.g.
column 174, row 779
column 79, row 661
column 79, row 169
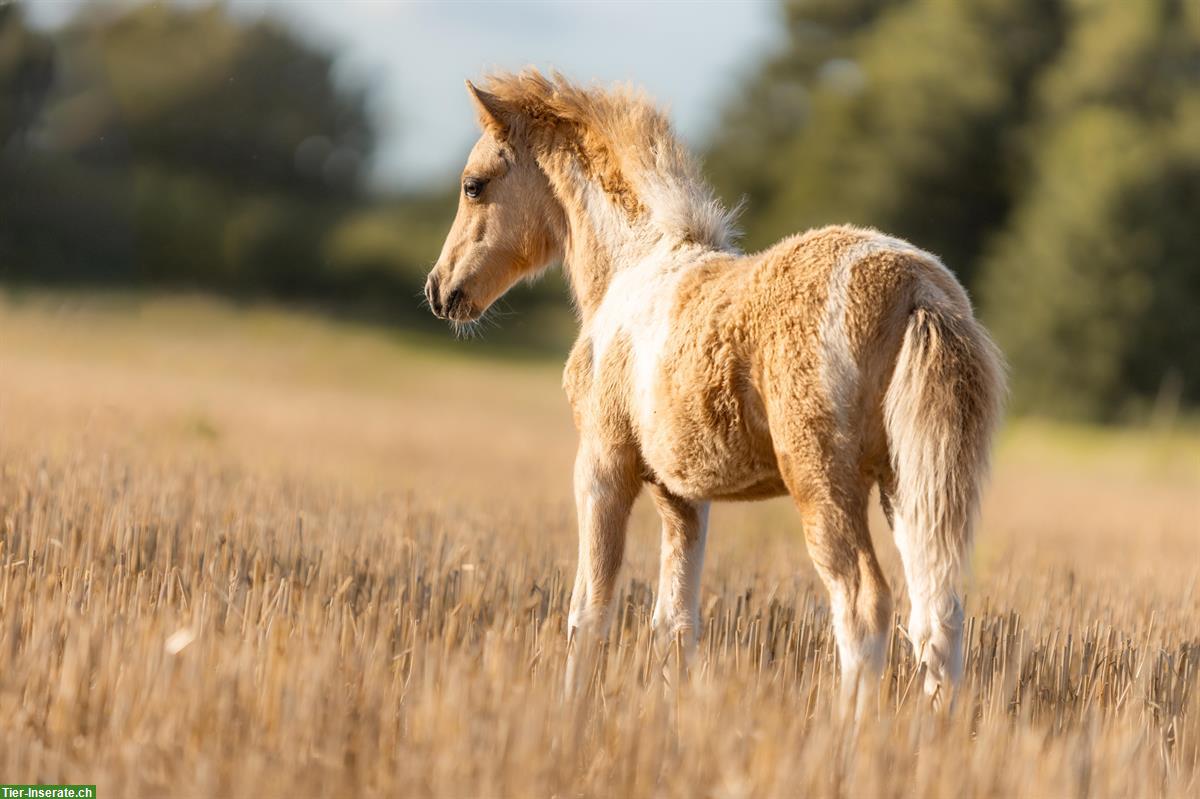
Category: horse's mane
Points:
column 626, row 143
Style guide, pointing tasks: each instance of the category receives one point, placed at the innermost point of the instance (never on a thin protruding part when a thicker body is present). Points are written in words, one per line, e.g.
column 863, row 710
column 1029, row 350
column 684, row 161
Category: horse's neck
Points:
column 593, row 264
column 603, row 238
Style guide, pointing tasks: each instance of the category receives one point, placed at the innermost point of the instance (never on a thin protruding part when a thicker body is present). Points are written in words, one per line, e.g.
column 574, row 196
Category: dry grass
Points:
column 245, row 554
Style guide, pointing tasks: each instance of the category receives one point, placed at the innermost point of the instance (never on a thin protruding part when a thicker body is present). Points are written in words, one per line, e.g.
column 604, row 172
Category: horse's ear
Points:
column 493, row 116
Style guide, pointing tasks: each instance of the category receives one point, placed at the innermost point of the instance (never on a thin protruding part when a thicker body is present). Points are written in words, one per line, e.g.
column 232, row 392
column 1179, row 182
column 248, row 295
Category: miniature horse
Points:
column 834, row 361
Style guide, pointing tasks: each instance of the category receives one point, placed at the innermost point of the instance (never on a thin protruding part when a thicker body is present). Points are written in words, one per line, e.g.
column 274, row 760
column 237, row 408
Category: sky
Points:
column 414, row 57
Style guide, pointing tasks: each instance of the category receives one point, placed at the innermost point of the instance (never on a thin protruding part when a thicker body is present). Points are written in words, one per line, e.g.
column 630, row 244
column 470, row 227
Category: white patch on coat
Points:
column 640, row 296
column 839, row 370
column 638, row 303
column 609, row 223
column 861, row 656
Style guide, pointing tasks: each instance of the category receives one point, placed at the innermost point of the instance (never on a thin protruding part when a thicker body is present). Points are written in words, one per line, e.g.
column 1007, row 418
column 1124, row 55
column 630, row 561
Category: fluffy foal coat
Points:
column 833, row 361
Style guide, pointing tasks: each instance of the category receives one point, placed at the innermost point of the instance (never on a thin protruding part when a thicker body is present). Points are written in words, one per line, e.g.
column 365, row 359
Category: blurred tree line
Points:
column 1048, row 150
column 181, row 146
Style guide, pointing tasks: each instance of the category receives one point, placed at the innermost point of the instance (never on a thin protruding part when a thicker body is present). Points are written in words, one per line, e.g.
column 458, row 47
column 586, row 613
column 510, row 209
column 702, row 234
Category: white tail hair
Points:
column 941, row 409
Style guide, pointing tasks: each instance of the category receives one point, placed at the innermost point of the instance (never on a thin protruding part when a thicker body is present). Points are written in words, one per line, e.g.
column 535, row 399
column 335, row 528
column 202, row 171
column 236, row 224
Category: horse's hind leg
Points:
column 833, row 505
column 935, row 623
column 677, row 606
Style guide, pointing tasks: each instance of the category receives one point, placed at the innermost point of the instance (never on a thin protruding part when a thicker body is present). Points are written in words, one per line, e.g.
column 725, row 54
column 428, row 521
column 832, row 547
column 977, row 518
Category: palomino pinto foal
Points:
column 834, row 361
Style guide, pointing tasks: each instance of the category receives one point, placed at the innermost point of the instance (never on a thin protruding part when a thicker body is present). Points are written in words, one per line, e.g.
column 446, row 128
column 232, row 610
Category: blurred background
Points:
column 267, row 528
column 306, row 155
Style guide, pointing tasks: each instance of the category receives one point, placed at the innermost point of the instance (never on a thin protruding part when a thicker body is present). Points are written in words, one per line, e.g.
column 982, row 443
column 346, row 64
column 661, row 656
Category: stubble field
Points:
column 246, row 553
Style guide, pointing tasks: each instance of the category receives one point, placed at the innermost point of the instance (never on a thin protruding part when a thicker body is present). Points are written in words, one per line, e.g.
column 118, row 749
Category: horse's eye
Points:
column 473, row 187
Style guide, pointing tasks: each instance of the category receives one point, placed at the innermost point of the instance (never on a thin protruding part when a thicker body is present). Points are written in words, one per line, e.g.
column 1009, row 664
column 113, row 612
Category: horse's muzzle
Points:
column 454, row 306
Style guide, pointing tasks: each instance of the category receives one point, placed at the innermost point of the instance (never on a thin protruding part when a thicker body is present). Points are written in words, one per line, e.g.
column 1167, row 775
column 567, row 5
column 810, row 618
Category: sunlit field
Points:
column 251, row 553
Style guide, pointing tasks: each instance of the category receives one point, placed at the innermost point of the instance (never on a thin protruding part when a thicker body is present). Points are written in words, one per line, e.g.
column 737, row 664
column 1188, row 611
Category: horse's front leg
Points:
column 607, row 480
column 677, row 606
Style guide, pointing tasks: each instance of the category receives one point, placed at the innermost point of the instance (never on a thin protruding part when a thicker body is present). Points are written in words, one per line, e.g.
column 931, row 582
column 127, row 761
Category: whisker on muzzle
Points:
column 464, row 330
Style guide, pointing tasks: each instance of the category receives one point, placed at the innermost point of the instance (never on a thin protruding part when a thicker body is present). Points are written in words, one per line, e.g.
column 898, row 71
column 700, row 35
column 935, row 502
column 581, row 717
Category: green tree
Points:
column 1092, row 288
column 182, row 145
column 904, row 124
column 26, row 75
column 26, row 72
column 198, row 91
column 767, row 113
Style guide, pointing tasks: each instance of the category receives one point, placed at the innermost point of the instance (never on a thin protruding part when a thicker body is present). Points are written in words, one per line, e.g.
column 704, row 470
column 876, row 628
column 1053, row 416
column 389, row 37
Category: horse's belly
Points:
column 710, row 445
column 710, row 469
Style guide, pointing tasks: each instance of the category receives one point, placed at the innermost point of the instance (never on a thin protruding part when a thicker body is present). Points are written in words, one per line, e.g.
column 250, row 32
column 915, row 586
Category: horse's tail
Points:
column 940, row 411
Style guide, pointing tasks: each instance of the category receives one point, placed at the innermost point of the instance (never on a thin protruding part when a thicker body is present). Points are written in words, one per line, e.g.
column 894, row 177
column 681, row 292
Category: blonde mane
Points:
column 625, row 143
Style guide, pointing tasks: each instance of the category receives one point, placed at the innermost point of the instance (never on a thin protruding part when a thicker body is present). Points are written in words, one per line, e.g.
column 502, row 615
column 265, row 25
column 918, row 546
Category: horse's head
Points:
column 509, row 224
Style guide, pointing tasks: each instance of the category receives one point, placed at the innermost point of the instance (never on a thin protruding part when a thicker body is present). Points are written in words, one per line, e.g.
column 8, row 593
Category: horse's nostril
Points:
column 453, row 300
